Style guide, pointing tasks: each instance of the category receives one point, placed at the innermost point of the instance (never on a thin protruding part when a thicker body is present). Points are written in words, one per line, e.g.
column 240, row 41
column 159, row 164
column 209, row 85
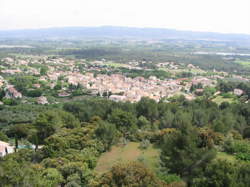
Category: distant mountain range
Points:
column 119, row 33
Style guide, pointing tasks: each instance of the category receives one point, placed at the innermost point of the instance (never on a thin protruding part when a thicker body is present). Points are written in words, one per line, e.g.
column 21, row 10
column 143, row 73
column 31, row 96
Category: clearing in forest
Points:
column 129, row 152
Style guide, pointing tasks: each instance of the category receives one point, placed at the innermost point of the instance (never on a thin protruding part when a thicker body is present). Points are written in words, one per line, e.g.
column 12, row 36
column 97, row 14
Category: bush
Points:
column 34, row 93
column 169, row 178
column 7, row 101
column 3, row 137
column 144, row 144
column 237, row 146
column 227, row 95
column 243, row 156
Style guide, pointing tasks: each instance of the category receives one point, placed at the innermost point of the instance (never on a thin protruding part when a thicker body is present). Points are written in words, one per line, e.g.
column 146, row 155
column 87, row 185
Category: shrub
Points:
column 144, row 144
column 237, row 146
column 243, row 156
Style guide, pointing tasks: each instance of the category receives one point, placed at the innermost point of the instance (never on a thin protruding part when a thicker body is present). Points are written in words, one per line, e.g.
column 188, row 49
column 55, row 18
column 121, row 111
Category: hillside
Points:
column 120, row 33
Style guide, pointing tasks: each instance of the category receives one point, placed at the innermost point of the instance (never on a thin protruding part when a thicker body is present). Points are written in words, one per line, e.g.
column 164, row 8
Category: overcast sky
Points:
column 230, row 16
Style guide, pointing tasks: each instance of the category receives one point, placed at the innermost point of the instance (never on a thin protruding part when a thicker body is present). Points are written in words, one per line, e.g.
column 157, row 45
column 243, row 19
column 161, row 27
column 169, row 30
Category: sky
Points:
column 227, row 16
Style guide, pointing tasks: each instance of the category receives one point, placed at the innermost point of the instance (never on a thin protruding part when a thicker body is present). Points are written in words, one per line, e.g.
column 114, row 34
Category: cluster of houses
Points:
column 124, row 88
column 117, row 86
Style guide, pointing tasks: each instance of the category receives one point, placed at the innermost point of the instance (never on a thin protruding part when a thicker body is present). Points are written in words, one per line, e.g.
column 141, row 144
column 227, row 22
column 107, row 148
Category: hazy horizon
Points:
column 224, row 16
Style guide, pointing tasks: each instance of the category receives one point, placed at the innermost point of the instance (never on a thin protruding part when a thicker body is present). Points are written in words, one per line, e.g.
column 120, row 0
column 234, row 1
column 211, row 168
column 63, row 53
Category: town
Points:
column 105, row 79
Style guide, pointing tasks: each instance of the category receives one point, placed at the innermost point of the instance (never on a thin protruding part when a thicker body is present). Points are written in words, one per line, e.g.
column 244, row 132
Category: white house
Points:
column 5, row 149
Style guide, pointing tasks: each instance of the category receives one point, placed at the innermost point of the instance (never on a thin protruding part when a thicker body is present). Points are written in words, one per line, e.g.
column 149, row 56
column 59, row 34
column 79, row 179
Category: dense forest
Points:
column 69, row 138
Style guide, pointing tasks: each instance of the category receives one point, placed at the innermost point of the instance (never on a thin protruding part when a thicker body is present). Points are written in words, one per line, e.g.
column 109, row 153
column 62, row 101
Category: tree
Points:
column 22, row 83
column 106, row 132
column 143, row 122
column 224, row 123
column 200, row 118
column 3, row 137
column 47, row 123
column 167, row 119
column 218, row 173
column 44, row 70
column 52, row 176
column 132, row 174
column 76, row 172
column 148, row 108
column 123, row 120
column 183, row 154
column 34, row 93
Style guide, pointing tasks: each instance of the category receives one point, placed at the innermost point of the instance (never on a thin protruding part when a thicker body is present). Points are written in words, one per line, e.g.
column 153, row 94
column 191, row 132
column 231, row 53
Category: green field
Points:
column 115, row 65
column 243, row 63
column 129, row 152
column 225, row 156
column 221, row 99
column 174, row 71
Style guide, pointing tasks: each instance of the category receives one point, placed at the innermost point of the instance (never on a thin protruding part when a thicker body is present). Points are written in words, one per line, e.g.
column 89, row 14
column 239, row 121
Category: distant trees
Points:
column 23, row 82
column 44, row 70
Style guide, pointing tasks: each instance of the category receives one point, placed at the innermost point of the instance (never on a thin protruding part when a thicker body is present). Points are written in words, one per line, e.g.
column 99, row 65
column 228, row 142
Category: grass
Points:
column 220, row 99
column 225, row 156
column 129, row 152
column 243, row 63
column 194, row 71
column 115, row 65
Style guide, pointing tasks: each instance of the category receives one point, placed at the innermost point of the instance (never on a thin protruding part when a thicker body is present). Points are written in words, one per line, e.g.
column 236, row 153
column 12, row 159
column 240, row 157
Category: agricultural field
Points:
column 243, row 63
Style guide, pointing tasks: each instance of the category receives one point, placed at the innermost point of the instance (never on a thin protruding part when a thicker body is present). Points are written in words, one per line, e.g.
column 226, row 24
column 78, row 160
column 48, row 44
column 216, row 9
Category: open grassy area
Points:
column 220, row 99
column 129, row 152
column 115, row 65
column 243, row 63
column 194, row 71
column 225, row 156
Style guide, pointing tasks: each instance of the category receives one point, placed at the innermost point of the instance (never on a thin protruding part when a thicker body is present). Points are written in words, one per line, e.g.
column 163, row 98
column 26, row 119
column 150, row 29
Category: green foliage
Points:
column 44, row 70
column 107, row 133
column 123, row 120
column 58, row 86
column 148, row 108
column 167, row 119
column 48, row 122
column 218, row 173
column 20, row 130
column 143, row 122
column 23, row 82
column 74, row 137
column 128, row 174
column 169, row 178
column 3, row 137
column 243, row 156
column 183, row 154
column 34, row 93
column 53, row 176
column 9, row 101
column 144, row 144
column 237, row 146
column 22, row 113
